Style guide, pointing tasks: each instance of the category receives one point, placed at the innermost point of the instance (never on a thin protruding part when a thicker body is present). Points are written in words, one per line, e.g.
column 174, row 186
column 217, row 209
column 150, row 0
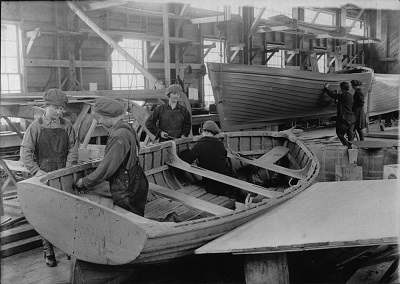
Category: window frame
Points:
column 20, row 55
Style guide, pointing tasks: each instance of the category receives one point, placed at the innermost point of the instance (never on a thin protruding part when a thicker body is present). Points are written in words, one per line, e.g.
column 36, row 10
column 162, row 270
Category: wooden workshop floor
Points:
column 30, row 267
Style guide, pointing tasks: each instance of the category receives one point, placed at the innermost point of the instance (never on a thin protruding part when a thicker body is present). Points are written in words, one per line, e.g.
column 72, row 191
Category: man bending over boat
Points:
column 172, row 120
column 120, row 165
column 50, row 144
column 212, row 155
column 345, row 116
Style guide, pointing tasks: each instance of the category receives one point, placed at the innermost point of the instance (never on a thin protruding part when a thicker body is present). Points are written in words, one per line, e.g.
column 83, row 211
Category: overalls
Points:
column 51, row 153
column 171, row 121
column 129, row 185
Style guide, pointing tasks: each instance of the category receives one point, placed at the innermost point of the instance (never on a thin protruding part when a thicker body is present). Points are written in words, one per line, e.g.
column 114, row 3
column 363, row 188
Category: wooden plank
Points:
column 224, row 179
column 167, row 60
column 152, row 80
column 326, row 215
column 299, row 174
column 65, row 63
column 20, row 246
column 189, row 201
column 273, row 156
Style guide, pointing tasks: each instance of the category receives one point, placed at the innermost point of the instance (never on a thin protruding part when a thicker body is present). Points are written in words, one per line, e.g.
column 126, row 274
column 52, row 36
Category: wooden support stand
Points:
column 266, row 268
column 348, row 172
column 90, row 273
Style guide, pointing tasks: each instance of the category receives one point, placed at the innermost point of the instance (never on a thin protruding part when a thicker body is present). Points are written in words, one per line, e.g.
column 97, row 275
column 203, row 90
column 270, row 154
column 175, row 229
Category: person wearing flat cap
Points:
column 50, row 143
column 358, row 108
column 120, row 165
column 211, row 154
column 345, row 116
column 172, row 120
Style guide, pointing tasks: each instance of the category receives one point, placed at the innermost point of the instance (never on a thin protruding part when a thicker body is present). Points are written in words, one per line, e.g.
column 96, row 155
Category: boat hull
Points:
column 254, row 96
column 93, row 229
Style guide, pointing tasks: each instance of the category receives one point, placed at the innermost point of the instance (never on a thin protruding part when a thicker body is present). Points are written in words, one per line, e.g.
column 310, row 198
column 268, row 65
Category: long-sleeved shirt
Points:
column 153, row 122
column 345, row 103
column 119, row 144
column 29, row 144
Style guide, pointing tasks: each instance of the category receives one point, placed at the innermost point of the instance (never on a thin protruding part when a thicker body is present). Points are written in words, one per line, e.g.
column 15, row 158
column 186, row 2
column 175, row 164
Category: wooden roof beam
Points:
column 254, row 25
column 155, row 48
column 355, row 20
column 236, row 50
column 183, row 13
column 316, row 16
column 100, row 4
column 152, row 80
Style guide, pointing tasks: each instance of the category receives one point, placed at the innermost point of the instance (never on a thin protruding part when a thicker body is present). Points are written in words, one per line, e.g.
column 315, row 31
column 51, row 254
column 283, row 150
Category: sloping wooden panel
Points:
column 327, row 215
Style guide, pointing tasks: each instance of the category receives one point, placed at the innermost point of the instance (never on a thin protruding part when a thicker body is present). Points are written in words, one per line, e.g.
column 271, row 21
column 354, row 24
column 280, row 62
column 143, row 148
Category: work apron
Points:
column 51, row 154
column 129, row 186
column 171, row 122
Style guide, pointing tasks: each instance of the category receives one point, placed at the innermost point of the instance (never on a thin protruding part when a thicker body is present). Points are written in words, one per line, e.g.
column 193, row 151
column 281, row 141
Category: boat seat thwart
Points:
column 188, row 200
column 176, row 162
column 267, row 161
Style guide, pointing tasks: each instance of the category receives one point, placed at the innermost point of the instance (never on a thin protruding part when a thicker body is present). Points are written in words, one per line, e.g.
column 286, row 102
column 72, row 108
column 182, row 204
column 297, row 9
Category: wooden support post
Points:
column 167, row 57
column 89, row 273
column 266, row 268
column 71, row 57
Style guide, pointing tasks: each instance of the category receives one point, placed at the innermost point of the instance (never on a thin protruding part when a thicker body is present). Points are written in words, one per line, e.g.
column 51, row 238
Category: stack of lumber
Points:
column 17, row 235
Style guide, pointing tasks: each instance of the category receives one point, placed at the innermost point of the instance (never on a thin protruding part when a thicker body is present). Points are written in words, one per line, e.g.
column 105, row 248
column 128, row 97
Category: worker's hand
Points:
column 79, row 184
column 40, row 173
column 326, row 85
column 165, row 135
column 183, row 136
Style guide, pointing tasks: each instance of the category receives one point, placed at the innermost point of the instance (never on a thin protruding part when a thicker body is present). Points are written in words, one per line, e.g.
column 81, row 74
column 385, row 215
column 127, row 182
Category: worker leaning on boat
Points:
column 172, row 120
column 120, row 165
column 50, row 143
column 345, row 116
column 358, row 108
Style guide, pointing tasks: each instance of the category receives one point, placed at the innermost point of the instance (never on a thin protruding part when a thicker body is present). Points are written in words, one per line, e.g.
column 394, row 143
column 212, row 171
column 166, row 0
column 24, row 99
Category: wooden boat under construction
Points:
column 91, row 228
column 254, row 96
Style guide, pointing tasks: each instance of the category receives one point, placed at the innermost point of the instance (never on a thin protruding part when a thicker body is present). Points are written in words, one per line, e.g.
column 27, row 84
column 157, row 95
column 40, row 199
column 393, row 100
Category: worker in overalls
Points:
column 172, row 120
column 50, row 143
column 120, row 165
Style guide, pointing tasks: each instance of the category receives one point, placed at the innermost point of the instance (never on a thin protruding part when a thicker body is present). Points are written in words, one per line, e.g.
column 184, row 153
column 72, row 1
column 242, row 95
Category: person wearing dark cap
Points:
column 345, row 116
column 120, row 165
column 211, row 154
column 172, row 120
column 358, row 108
column 50, row 143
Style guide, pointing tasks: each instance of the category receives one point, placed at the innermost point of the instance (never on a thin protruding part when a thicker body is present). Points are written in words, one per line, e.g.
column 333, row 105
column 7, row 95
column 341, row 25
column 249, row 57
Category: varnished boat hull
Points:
column 254, row 96
column 100, row 232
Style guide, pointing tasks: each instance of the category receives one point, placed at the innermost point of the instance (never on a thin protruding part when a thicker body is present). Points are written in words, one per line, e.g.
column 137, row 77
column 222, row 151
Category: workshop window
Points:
column 124, row 74
column 10, row 59
column 322, row 68
column 216, row 54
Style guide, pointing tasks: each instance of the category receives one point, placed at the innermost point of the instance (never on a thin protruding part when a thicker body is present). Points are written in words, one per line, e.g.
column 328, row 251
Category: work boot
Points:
column 50, row 260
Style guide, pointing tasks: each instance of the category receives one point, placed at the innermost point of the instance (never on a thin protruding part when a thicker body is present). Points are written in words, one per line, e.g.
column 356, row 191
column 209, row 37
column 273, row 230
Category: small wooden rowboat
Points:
column 253, row 96
column 91, row 228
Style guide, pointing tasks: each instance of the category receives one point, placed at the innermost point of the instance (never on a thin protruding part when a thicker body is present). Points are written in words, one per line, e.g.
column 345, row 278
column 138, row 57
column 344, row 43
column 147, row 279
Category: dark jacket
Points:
column 128, row 184
column 212, row 155
column 358, row 109
column 344, row 106
column 162, row 119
